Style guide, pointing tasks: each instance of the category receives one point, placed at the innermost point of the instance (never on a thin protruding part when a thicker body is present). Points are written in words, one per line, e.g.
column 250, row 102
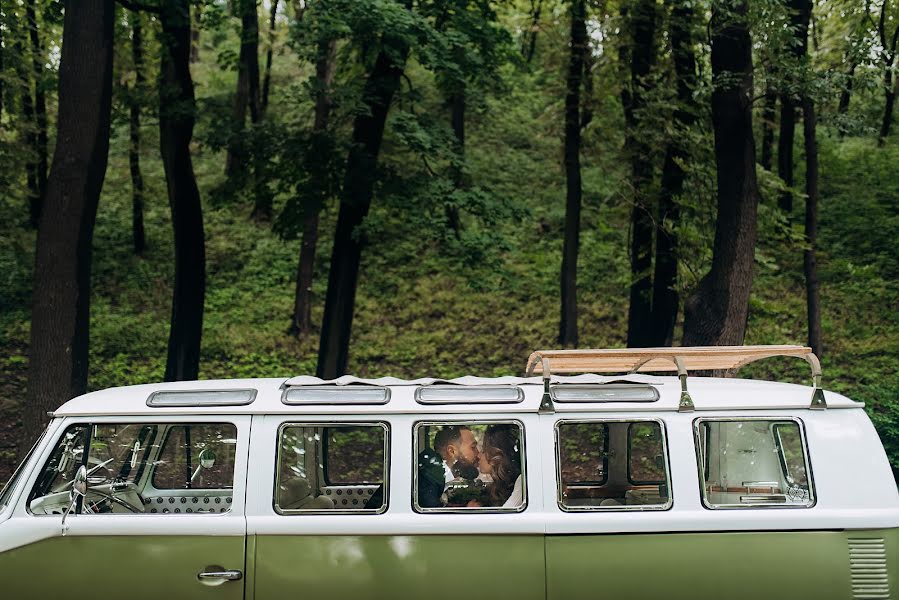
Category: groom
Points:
column 458, row 448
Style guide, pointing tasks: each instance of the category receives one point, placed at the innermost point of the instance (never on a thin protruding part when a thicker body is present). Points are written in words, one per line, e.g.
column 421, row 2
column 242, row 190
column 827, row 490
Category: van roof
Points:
column 708, row 393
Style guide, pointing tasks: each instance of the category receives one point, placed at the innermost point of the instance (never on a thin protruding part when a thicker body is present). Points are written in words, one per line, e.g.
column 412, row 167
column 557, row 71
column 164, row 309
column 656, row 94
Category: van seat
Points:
column 297, row 494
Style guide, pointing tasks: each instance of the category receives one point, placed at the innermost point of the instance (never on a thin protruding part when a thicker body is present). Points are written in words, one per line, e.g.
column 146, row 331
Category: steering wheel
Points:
column 112, row 497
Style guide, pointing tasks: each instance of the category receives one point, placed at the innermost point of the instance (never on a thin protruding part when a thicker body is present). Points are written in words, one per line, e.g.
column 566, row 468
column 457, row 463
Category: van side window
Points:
column 180, row 462
column 612, row 465
column 472, row 466
column 753, row 462
column 332, row 467
column 141, row 468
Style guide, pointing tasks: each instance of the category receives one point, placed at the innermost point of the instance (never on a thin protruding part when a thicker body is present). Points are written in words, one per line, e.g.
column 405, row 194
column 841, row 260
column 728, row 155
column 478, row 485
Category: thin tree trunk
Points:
column 195, row 33
column 643, row 27
column 717, row 313
column 136, row 101
column 788, row 108
column 269, row 57
column 29, row 130
column 769, row 121
column 846, row 93
column 40, row 101
column 358, row 188
column 58, row 362
column 568, row 332
column 665, row 298
column 176, row 123
column 247, row 94
column 891, row 91
column 531, row 37
column 813, row 300
column 301, row 321
column 457, row 121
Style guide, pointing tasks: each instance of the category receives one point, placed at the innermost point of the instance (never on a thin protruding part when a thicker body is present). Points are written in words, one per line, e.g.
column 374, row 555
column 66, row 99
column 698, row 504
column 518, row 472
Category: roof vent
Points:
column 167, row 399
column 347, row 394
column 456, row 394
column 611, row 392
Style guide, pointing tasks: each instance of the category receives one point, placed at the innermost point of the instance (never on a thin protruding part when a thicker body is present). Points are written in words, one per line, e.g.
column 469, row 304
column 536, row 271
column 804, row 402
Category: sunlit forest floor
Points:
column 420, row 312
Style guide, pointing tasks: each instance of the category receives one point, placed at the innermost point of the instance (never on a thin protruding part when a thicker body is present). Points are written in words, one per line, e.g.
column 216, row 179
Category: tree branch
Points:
column 139, row 7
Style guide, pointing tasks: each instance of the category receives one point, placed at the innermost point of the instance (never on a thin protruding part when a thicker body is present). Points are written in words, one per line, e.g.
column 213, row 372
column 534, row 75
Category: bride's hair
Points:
column 504, row 455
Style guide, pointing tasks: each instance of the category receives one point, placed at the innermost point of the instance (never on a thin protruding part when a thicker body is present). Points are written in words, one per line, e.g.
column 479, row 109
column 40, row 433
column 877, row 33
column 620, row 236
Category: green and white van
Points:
column 549, row 487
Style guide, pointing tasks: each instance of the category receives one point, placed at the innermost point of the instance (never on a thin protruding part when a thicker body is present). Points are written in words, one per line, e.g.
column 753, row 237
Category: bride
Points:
column 501, row 460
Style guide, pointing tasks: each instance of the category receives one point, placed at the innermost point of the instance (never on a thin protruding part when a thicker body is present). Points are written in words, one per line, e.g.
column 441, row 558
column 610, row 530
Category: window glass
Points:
column 469, row 466
column 188, row 450
column 612, row 465
column 131, row 469
column 328, row 467
column 757, row 462
column 645, row 455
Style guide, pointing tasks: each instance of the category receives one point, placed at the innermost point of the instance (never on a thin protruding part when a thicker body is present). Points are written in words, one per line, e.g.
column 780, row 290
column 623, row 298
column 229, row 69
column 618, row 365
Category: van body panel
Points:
column 139, row 567
column 436, row 567
column 737, row 566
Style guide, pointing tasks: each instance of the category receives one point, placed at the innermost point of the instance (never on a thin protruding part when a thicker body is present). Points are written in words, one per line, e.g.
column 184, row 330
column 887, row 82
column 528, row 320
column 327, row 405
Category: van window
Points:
column 179, row 465
column 753, row 462
column 469, row 466
column 332, row 467
column 141, row 468
column 6, row 492
column 612, row 465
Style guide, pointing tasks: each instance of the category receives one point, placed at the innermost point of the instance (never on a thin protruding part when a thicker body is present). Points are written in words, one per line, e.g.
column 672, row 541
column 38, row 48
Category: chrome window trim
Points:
column 473, row 389
column 474, row 509
column 252, row 391
column 335, row 389
column 554, row 388
column 621, row 508
column 332, row 511
column 813, row 496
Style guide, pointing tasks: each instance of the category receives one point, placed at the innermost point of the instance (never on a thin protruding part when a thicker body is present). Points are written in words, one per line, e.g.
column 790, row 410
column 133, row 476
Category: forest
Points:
column 244, row 188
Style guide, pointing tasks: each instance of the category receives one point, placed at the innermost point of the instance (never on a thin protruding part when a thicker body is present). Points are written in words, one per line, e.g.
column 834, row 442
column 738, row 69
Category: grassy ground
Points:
column 419, row 313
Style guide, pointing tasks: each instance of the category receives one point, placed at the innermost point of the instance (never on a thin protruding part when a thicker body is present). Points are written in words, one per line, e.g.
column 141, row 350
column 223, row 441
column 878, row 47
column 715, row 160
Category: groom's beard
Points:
column 465, row 470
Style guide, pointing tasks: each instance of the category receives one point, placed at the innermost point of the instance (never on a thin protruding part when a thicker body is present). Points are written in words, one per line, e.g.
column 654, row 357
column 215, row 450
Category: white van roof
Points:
column 267, row 396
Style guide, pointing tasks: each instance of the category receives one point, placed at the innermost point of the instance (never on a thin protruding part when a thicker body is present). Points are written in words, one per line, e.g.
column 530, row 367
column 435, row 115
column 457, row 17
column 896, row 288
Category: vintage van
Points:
column 548, row 486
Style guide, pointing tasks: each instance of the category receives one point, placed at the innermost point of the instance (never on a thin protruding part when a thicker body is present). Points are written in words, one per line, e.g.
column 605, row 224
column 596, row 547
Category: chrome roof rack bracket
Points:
column 546, row 403
column 686, row 402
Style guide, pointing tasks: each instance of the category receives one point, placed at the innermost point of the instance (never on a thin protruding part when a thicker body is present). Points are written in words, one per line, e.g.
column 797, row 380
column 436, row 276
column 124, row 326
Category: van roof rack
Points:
column 679, row 359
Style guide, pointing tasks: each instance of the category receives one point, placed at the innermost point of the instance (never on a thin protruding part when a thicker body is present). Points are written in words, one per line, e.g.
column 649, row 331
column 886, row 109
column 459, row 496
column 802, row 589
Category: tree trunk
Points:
column 717, row 313
column 2, row 64
column 301, row 321
column 58, row 363
column 643, row 27
column 358, row 187
column 40, row 101
column 813, row 301
column 195, row 33
column 457, row 121
column 665, row 298
column 789, row 105
column 28, row 131
column 769, row 121
column 269, row 56
column 846, row 93
column 530, row 39
column 891, row 91
column 568, row 334
column 176, row 124
column 136, row 101
column 247, row 95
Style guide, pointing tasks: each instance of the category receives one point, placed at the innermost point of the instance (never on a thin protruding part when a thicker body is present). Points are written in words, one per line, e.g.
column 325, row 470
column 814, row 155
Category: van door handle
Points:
column 226, row 575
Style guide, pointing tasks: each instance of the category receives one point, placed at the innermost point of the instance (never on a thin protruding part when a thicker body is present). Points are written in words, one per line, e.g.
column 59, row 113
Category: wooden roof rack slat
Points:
column 681, row 360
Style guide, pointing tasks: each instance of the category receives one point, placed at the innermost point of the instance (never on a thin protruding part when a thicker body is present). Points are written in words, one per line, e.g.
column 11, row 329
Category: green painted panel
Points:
column 431, row 567
column 132, row 567
column 721, row 566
